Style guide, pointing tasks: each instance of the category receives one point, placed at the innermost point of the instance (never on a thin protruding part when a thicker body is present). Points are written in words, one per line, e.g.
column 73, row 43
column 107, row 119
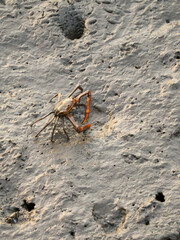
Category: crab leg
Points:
column 55, row 125
column 87, row 105
column 77, row 87
column 50, row 120
column 41, row 118
column 59, row 97
column 76, row 126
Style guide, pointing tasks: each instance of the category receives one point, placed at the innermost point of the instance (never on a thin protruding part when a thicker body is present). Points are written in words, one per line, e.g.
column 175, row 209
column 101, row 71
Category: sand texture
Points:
column 119, row 180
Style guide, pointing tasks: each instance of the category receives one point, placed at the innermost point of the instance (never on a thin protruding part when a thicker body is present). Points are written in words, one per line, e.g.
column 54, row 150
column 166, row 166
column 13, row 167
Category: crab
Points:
column 63, row 110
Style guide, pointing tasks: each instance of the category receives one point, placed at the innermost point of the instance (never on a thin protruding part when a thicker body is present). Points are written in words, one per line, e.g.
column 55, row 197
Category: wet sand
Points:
column 120, row 178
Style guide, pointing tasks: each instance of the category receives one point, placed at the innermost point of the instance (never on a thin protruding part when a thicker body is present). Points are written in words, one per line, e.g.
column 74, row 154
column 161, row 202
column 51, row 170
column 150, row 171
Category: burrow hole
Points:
column 28, row 206
column 160, row 197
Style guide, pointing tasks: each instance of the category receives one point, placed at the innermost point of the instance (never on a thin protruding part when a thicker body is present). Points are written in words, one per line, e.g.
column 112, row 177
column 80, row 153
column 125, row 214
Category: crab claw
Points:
column 76, row 126
column 87, row 105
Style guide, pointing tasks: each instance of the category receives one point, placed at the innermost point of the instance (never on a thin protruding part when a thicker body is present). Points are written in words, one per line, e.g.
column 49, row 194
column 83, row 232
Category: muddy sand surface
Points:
column 120, row 178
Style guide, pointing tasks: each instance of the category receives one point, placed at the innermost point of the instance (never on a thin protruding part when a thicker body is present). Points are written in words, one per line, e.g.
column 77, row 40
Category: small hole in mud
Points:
column 28, row 206
column 72, row 233
column 146, row 222
column 177, row 55
column 16, row 209
column 160, row 197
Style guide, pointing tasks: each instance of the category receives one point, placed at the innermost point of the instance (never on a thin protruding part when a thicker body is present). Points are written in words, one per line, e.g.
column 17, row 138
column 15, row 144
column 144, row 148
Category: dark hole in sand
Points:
column 146, row 221
column 177, row 55
column 28, row 206
column 16, row 209
column 71, row 23
column 72, row 233
column 160, row 197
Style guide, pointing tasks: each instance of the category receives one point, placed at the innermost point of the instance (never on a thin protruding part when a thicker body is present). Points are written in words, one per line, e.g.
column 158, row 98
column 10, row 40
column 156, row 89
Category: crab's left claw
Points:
column 87, row 105
column 76, row 126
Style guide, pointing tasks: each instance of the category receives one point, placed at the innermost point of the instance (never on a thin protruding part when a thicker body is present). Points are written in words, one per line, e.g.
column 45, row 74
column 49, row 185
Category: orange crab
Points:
column 63, row 110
